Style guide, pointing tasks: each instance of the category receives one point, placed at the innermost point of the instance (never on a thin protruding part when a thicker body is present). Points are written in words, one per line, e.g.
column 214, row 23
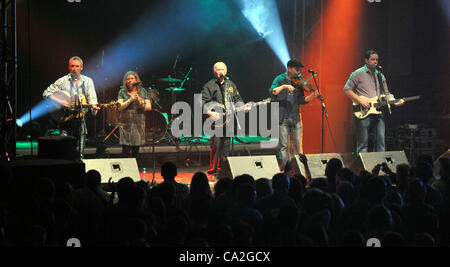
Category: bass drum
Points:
column 155, row 126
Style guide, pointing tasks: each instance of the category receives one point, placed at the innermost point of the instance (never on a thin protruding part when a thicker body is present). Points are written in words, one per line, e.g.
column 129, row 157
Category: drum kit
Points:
column 156, row 121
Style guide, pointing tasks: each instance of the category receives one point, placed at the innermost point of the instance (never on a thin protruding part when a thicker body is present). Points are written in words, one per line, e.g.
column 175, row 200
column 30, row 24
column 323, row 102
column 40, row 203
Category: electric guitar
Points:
column 77, row 109
column 219, row 108
column 376, row 103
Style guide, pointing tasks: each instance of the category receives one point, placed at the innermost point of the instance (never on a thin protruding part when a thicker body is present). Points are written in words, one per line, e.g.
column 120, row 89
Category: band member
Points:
column 134, row 101
column 70, row 90
column 289, row 90
column 365, row 82
column 220, row 89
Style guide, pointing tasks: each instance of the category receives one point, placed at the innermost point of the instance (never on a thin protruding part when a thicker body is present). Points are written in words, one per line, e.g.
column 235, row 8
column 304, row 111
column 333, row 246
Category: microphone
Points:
column 136, row 83
column 298, row 76
column 75, row 75
column 378, row 67
column 312, row 71
column 223, row 76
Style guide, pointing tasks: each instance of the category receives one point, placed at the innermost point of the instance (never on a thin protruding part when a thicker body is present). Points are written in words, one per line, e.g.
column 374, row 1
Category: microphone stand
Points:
column 380, row 82
column 186, row 77
column 76, row 111
column 230, row 101
column 153, row 155
column 324, row 110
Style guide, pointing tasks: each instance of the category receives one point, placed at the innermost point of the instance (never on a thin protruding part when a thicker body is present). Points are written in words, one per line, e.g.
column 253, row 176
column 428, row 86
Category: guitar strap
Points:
column 380, row 83
column 383, row 90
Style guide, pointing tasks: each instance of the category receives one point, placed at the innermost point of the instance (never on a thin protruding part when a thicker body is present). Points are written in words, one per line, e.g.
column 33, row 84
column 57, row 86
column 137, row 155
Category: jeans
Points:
column 290, row 127
column 363, row 128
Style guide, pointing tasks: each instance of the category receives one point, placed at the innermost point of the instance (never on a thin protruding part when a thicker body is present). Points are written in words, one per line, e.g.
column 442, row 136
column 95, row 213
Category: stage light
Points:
column 157, row 36
column 44, row 107
column 265, row 19
column 343, row 21
column 445, row 4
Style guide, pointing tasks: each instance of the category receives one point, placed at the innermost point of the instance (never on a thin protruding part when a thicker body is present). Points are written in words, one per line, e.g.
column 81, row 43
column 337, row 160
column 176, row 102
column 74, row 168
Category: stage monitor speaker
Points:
column 115, row 168
column 257, row 166
column 59, row 171
column 58, row 147
column 317, row 164
column 368, row 160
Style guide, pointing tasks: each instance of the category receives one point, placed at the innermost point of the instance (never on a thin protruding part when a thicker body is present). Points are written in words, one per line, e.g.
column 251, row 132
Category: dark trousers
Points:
column 130, row 151
column 219, row 150
column 76, row 128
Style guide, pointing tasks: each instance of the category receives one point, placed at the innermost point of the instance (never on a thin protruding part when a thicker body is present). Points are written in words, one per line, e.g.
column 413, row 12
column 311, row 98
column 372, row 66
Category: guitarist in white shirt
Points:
column 72, row 86
column 365, row 83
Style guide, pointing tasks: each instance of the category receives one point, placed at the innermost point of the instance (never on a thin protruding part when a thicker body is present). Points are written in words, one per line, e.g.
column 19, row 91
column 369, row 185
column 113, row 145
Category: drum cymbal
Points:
column 170, row 80
column 175, row 89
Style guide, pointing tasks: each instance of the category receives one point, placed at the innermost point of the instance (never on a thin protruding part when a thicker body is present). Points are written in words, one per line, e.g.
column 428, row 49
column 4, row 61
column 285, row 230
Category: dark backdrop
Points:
column 410, row 35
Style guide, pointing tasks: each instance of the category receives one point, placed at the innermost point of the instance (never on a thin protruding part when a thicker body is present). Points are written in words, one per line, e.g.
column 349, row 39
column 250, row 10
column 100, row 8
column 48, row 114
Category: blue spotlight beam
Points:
column 264, row 17
column 44, row 107
column 157, row 35
column 445, row 4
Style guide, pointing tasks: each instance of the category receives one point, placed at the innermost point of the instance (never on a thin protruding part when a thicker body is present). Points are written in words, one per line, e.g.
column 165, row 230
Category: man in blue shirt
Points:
column 289, row 93
column 69, row 90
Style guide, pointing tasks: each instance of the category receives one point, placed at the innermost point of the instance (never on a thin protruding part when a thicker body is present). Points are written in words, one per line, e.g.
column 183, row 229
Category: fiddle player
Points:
column 288, row 90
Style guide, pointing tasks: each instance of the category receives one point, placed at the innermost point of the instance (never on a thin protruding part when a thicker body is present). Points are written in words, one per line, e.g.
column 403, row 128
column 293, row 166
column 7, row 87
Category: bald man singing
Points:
column 222, row 90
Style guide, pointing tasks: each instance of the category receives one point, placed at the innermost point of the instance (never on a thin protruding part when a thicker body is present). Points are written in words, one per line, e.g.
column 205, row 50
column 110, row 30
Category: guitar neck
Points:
column 252, row 105
column 90, row 105
column 405, row 99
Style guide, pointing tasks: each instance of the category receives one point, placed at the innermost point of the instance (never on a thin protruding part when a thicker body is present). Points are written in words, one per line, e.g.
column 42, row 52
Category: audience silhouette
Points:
column 408, row 207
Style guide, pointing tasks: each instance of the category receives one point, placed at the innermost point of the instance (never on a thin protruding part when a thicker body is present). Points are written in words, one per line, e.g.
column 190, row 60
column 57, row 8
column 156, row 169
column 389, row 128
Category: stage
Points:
column 190, row 155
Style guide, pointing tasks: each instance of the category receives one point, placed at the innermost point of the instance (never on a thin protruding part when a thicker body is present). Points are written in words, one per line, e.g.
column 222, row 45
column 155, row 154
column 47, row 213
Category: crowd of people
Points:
column 408, row 206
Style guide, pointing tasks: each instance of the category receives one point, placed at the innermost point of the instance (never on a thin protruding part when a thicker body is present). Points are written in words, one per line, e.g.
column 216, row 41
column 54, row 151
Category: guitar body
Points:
column 68, row 107
column 224, row 114
column 362, row 112
column 65, row 114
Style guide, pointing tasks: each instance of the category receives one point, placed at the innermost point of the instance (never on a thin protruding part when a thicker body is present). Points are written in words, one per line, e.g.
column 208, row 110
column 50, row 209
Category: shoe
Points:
column 211, row 171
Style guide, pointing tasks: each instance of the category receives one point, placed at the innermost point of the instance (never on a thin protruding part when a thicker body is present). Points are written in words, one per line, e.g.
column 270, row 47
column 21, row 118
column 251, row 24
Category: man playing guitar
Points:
column 75, row 86
column 221, row 90
column 364, row 83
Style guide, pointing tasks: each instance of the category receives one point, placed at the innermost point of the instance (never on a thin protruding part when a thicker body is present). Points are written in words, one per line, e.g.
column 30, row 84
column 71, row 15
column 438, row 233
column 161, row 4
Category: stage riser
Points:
column 59, row 171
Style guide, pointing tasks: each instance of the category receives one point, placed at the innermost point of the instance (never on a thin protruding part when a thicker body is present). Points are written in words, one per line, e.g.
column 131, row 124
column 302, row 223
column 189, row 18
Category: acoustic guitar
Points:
column 69, row 107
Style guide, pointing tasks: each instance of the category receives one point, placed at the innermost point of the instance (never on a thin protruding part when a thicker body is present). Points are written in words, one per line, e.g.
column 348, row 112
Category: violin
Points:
column 298, row 80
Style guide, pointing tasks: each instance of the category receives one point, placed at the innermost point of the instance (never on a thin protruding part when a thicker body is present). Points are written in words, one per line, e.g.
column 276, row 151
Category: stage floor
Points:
column 190, row 156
